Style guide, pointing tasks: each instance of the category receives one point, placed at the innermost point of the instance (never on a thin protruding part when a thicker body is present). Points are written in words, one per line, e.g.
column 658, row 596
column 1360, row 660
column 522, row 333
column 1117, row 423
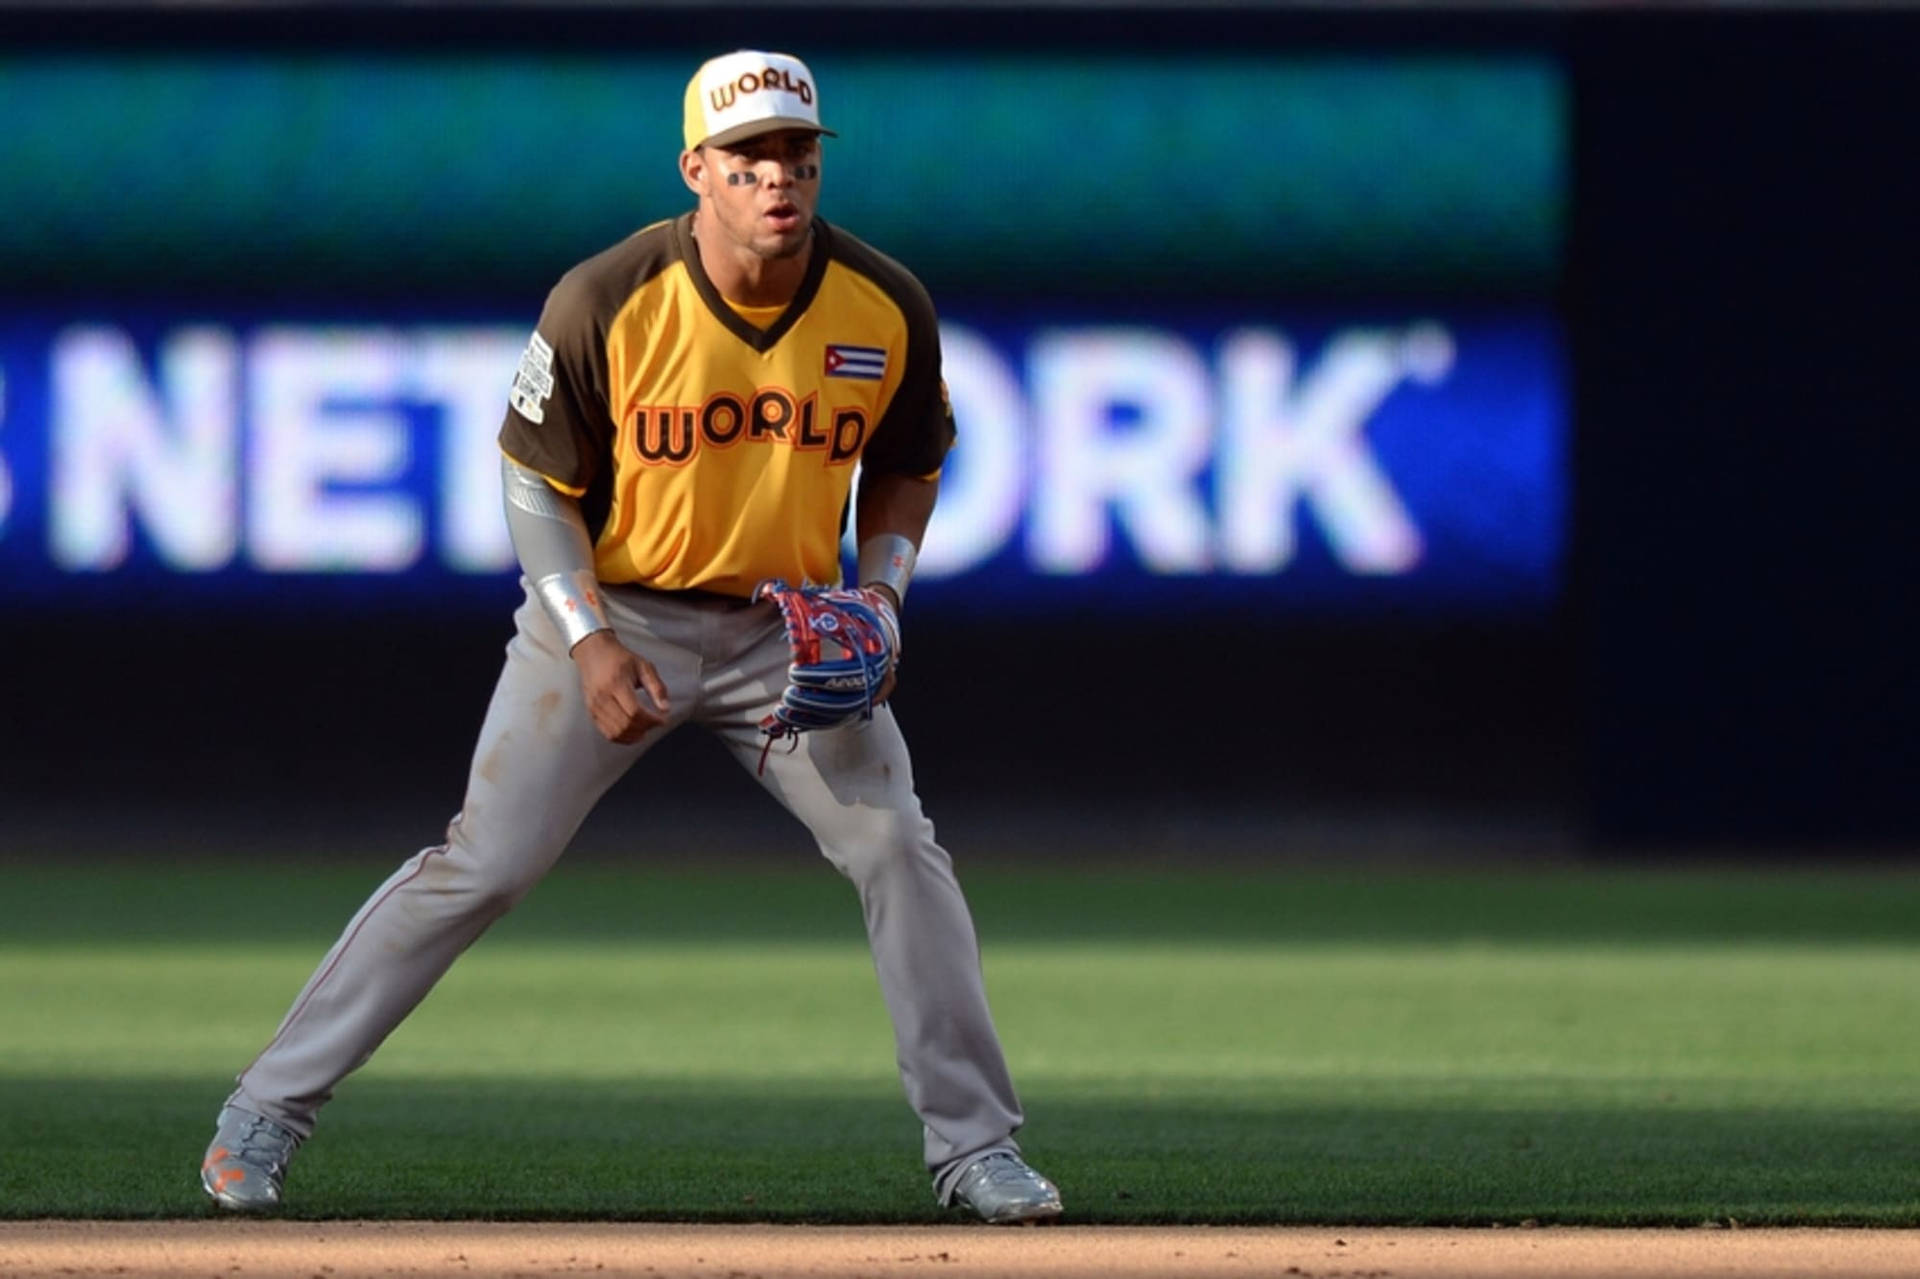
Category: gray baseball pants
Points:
column 538, row 769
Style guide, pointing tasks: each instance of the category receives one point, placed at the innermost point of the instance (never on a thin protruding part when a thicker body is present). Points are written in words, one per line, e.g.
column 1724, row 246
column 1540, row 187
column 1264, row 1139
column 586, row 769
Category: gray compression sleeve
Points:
column 550, row 537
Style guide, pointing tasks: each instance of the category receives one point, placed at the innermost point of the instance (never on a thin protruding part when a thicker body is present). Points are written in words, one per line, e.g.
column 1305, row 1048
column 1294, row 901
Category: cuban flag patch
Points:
column 868, row 363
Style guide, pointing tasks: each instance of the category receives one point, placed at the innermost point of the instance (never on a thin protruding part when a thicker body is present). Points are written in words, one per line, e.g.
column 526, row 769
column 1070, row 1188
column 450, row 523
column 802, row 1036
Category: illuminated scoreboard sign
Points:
column 300, row 410
column 1314, row 462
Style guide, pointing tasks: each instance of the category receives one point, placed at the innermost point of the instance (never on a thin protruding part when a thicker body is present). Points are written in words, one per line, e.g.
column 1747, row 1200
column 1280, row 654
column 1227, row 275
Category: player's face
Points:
column 763, row 191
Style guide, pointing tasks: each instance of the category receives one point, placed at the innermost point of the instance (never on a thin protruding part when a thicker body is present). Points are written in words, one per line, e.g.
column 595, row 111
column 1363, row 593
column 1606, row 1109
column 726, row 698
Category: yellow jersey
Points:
column 709, row 452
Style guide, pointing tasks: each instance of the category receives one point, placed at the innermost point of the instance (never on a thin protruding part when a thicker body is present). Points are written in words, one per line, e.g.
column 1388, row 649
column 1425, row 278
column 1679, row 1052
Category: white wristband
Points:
column 572, row 600
column 888, row 560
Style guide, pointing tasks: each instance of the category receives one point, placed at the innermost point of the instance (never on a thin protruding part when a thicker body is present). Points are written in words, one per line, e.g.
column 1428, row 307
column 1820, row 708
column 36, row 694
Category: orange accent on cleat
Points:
column 246, row 1161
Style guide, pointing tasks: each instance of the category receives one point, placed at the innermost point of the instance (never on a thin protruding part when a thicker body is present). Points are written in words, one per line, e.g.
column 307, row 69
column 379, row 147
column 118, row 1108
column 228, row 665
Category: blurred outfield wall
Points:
column 1347, row 403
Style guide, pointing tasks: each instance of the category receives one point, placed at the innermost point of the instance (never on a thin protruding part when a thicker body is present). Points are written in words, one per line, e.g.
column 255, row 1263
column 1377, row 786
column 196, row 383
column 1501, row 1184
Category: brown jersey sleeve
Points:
column 558, row 421
column 916, row 429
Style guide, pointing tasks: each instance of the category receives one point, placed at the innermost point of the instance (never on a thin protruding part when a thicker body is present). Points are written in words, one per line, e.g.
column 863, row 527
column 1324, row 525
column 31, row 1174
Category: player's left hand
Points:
column 845, row 646
column 885, row 601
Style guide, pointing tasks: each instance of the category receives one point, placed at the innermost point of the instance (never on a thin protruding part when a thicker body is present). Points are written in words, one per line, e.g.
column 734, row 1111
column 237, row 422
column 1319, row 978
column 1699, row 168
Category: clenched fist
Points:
column 624, row 693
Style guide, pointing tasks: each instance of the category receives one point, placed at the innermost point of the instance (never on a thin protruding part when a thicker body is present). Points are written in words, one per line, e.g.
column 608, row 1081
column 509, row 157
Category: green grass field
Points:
column 1291, row 1048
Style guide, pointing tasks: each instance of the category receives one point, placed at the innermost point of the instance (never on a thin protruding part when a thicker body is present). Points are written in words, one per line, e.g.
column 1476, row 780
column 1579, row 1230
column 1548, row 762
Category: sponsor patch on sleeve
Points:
column 533, row 380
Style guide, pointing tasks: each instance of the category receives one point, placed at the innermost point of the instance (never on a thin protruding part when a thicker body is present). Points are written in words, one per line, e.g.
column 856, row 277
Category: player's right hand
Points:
column 624, row 693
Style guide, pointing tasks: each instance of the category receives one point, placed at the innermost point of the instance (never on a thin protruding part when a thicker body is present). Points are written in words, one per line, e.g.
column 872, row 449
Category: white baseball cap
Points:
column 748, row 92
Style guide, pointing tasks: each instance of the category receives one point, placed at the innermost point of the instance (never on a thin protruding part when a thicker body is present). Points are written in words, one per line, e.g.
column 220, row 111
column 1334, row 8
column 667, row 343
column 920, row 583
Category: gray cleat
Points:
column 1004, row 1191
column 246, row 1163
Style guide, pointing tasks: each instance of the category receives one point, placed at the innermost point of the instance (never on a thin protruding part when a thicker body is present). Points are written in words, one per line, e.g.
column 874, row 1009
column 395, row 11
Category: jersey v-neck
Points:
column 758, row 316
column 757, row 338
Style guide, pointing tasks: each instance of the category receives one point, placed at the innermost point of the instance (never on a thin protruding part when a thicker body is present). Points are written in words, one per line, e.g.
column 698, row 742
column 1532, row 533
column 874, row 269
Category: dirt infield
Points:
column 347, row 1250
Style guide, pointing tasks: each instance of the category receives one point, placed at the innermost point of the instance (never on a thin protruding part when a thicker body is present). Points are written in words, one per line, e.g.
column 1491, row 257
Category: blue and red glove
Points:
column 845, row 642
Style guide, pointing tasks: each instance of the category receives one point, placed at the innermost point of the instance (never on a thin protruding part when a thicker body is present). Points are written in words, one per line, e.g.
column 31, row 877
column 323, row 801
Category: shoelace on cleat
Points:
column 1001, row 1168
column 264, row 1142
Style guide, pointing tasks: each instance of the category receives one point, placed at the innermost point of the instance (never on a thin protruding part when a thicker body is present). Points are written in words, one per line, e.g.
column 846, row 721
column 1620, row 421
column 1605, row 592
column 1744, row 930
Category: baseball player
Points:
column 679, row 448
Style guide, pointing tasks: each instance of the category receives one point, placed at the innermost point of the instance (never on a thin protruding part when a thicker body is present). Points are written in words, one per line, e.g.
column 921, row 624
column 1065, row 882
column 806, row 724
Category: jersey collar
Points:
column 759, row 339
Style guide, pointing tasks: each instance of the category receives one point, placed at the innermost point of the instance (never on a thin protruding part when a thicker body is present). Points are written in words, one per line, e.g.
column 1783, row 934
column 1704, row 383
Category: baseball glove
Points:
column 844, row 641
